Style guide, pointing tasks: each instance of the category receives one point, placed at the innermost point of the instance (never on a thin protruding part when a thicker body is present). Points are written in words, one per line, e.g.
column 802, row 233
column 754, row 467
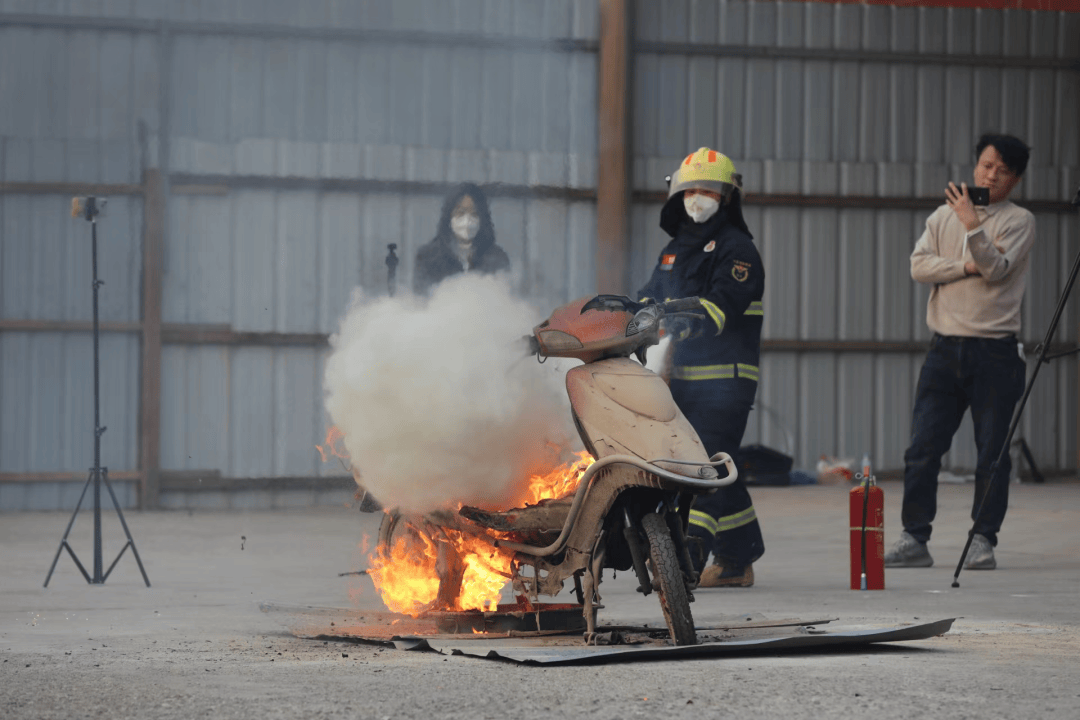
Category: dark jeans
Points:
column 986, row 375
column 718, row 410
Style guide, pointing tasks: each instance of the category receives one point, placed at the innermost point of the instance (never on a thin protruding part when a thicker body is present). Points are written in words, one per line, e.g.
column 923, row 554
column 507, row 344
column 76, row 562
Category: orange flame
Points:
column 407, row 576
column 487, row 569
column 333, row 437
column 560, row 482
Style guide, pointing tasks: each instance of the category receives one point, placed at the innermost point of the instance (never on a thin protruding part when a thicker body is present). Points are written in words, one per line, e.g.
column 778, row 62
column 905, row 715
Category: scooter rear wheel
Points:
column 674, row 600
column 448, row 564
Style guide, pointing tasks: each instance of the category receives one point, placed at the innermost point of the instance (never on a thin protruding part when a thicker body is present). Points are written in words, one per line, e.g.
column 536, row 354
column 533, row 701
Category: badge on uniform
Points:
column 667, row 262
column 740, row 270
column 711, row 246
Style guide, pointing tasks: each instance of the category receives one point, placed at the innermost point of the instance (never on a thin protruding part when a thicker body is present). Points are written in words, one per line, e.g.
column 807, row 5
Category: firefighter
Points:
column 714, row 368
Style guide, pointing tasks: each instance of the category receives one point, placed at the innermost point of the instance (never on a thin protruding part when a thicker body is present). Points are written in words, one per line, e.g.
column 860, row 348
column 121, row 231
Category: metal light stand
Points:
column 1041, row 351
column 89, row 208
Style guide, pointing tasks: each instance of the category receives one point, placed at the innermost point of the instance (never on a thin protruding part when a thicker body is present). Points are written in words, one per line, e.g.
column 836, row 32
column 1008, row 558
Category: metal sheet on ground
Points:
column 532, row 653
column 752, row 635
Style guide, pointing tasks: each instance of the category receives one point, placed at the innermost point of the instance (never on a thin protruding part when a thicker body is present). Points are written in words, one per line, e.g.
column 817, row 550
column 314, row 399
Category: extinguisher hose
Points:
column 862, row 535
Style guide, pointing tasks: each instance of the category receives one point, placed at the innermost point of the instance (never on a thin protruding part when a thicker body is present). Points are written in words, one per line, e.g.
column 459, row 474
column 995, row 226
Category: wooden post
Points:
column 150, row 391
column 613, row 178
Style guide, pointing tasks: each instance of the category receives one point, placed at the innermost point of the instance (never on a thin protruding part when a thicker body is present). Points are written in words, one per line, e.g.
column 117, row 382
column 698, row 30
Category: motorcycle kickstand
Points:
column 592, row 590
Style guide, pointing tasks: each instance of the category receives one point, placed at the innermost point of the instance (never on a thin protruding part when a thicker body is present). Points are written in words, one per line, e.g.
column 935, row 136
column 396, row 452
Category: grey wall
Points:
column 864, row 100
column 419, row 93
column 257, row 107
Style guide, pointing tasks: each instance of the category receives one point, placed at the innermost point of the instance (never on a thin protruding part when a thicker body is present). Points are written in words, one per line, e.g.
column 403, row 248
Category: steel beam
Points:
column 150, row 361
column 196, row 184
column 59, row 326
column 855, row 202
column 40, row 477
column 192, row 184
column 366, row 36
column 524, row 44
column 225, row 335
column 69, row 188
column 613, row 177
column 765, row 52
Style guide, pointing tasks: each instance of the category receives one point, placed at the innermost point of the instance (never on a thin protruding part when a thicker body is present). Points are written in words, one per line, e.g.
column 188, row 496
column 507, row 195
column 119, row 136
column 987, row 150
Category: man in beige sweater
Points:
column 976, row 260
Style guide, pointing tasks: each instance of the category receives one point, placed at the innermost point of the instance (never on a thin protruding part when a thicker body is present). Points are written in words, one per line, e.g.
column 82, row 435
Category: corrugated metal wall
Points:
column 70, row 105
column 269, row 117
column 251, row 107
column 862, row 100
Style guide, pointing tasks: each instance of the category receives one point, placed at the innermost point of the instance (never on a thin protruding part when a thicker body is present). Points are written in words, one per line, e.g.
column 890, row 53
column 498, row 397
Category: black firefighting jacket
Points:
column 717, row 262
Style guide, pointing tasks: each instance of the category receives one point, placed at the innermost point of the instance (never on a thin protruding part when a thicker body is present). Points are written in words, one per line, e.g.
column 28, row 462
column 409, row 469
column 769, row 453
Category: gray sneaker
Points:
column 908, row 552
column 980, row 555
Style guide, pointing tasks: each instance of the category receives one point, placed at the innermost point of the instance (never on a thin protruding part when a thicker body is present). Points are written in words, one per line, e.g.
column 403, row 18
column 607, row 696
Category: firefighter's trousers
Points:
column 725, row 520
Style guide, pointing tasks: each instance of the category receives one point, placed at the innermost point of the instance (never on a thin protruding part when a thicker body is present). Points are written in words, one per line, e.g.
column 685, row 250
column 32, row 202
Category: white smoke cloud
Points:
column 438, row 402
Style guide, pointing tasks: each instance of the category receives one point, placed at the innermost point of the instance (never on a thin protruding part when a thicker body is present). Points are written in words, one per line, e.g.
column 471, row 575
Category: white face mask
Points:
column 700, row 207
column 465, row 227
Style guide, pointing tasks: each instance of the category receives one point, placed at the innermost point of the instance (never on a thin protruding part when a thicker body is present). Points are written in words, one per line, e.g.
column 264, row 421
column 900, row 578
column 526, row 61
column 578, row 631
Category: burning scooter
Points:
column 631, row 506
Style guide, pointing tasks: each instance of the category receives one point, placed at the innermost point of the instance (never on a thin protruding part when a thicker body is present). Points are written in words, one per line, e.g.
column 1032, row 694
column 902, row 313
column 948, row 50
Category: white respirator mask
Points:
column 700, row 207
column 465, row 227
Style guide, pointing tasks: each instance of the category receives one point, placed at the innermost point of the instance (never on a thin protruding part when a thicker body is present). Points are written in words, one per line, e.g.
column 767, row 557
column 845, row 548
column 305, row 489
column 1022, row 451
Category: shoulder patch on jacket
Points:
column 667, row 261
column 740, row 270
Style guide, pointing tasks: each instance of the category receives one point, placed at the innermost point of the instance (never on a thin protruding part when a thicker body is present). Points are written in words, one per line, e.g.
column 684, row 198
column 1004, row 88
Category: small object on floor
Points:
column 980, row 555
column 721, row 576
column 353, row 572
column 908, row 552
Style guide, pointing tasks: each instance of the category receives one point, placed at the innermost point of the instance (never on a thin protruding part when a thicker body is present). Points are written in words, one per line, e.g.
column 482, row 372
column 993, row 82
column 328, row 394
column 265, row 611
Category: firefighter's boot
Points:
column 720, row 575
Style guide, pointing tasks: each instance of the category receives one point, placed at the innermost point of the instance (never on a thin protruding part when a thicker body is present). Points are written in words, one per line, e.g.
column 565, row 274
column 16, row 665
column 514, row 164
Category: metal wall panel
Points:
column 82, row 96
column 46, row 383
column 310, row 108
column 246, row 412
column 822, row 125
column 47, row 411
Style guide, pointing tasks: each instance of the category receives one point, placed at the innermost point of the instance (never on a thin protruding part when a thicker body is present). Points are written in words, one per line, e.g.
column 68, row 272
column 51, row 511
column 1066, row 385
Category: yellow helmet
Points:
column 706, row 170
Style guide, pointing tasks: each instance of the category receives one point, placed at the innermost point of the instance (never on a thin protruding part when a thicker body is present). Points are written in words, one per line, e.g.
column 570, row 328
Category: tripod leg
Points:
column 63, row 541
column 67, row 546
column 123, row 523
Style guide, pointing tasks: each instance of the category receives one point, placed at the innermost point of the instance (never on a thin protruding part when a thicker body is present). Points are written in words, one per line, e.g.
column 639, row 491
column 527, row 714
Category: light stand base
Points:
column 98, row 578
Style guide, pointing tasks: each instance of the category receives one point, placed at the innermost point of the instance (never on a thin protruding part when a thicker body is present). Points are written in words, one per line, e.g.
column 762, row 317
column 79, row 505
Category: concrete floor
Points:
column 196, row 645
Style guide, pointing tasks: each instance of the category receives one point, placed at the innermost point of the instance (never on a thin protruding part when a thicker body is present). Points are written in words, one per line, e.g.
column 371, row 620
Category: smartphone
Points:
column 978, row 195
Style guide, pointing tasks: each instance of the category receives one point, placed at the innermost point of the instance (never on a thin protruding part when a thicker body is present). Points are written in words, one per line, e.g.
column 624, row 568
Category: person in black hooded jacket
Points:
column 464, row 242
column 714, row 374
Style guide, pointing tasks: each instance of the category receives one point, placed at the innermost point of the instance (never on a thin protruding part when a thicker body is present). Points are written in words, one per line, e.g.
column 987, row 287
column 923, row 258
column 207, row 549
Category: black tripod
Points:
column 1044, row 357
column 88, row 208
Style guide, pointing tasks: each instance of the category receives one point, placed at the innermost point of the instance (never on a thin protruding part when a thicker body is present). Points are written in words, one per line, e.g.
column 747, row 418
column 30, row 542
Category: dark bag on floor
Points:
column 760, row 465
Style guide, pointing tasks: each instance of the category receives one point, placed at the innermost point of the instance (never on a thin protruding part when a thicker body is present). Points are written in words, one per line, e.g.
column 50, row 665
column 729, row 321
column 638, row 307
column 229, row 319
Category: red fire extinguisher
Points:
column 867, row 523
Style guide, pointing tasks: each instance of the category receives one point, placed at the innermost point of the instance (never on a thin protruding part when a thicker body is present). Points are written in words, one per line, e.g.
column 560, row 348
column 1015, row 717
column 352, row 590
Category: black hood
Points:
column 673, row 216
column 485, row 236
